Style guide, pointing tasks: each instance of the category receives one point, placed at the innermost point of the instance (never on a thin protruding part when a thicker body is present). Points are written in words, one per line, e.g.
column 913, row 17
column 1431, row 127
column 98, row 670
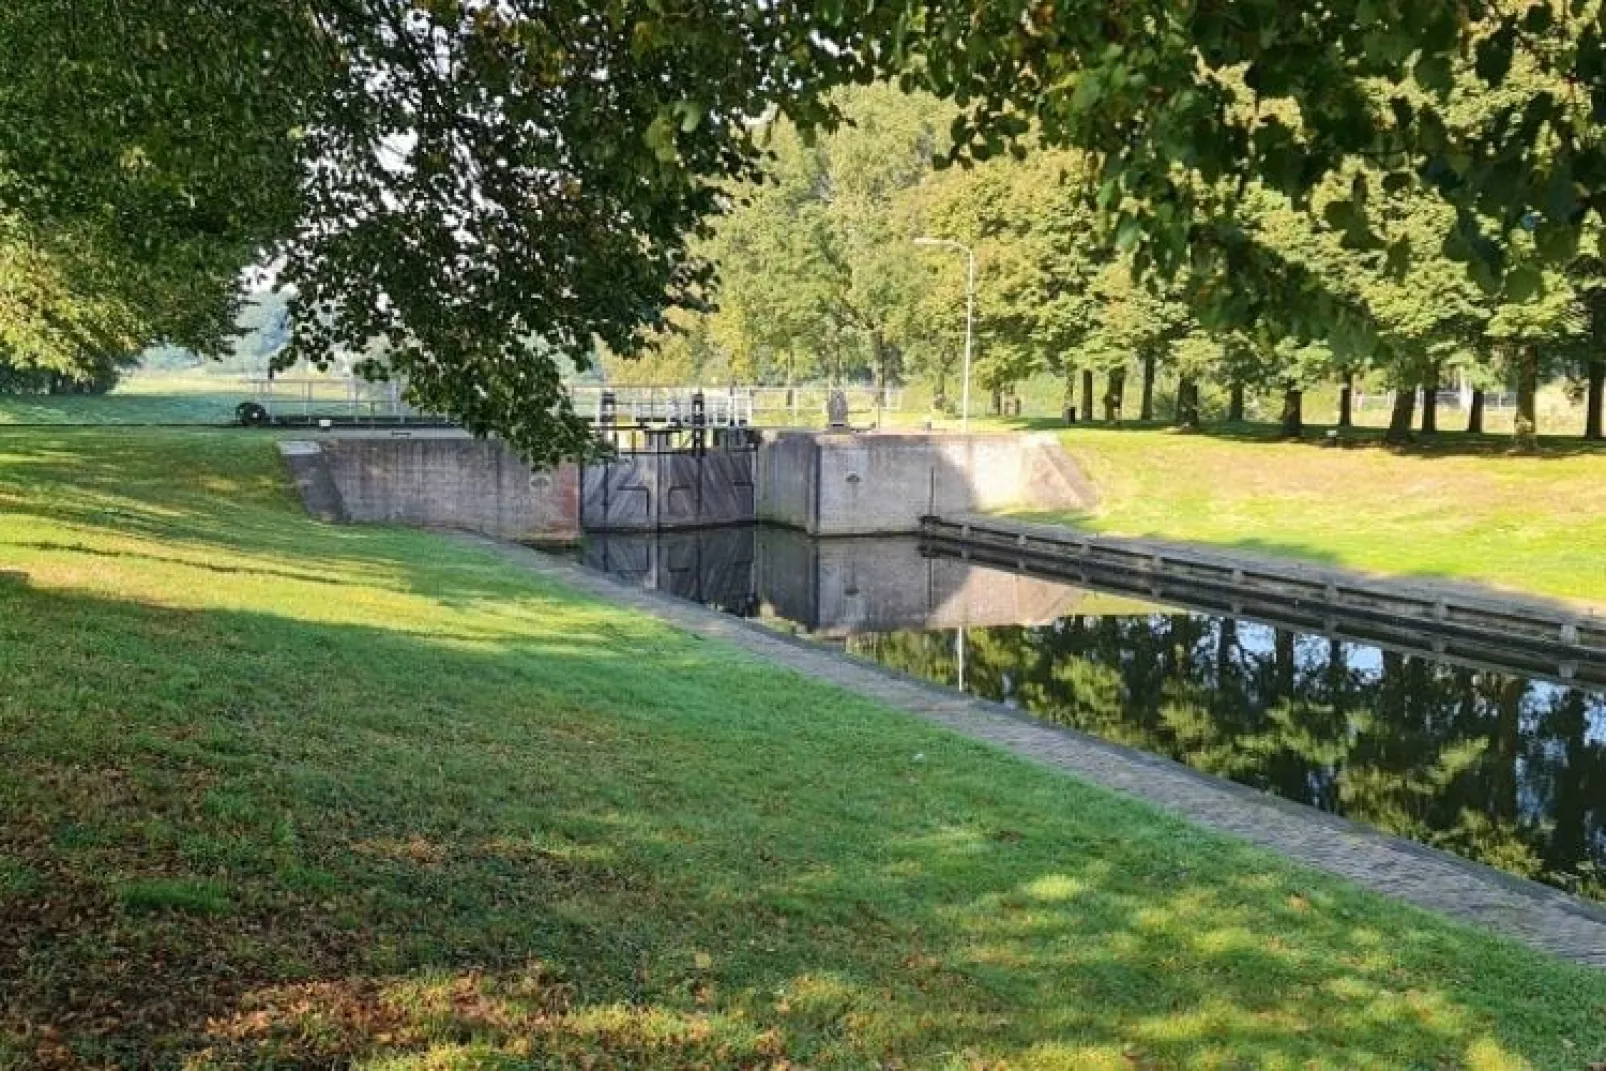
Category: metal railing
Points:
column 729, row 406
column 305, row 400
column 1449, row 398
column 308, row 399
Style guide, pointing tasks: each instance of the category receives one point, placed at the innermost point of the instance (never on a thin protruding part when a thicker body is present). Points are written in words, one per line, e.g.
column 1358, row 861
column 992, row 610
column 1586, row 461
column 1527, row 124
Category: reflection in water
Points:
column 1496, row 767
column 1487, row 763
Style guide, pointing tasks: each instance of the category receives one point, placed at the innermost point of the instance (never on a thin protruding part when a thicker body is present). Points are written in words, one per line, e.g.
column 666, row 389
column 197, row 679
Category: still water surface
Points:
column 1489, row 762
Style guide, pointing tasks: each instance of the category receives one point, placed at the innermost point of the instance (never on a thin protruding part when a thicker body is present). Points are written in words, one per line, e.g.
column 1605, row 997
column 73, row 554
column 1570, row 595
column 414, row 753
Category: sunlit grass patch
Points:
column 1533, row 524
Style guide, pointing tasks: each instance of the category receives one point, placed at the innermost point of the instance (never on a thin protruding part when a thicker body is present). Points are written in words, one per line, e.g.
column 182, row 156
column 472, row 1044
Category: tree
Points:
column 1031, row 224
column 455, row 177
column 1528, row 334
column 816, row 266
column 58, row 331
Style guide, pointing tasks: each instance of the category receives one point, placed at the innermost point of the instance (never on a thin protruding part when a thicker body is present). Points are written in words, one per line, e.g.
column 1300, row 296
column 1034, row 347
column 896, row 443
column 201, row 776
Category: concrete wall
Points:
column 441, row 481
column 786, row 475
column 821, row 483
column 840, row 484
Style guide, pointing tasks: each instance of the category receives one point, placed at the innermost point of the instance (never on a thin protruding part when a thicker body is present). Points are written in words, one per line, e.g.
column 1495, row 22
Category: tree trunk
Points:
column 1235, row 404
column 1525, row 430
column 998, row 401
column 1346, row 402
column 1068, row 406
column 1430, row 402
column 1293, row 418
column 1187, row 403
column 1475, row 413
column 1146, row 409
column 1593, row 398
column 1114, row 389
column 1087, row 395
column 1226, row 645
column 1399, row 432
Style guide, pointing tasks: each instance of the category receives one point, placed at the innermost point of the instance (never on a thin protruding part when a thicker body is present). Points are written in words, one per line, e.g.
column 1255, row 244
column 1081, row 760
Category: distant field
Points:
column 1458, row 509
column 158, row 398
column 141, row 399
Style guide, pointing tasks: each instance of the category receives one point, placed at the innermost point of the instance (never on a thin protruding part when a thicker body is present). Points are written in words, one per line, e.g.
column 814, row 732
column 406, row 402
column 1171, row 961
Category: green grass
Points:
column 153, row 398
column 279, row 792
column 1460, row 509
column 174, row 894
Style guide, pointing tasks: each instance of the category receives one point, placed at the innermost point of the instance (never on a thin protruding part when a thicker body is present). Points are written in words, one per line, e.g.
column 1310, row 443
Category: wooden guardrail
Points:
column 1554, row 636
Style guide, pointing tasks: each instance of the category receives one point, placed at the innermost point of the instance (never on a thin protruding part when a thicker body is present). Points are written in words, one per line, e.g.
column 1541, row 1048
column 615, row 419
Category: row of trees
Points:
column 440, row 181
column 820, row 277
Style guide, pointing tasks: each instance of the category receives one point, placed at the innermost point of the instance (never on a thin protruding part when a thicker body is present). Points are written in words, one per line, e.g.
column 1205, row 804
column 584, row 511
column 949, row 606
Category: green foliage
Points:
column 818, row 273
column 440, row 182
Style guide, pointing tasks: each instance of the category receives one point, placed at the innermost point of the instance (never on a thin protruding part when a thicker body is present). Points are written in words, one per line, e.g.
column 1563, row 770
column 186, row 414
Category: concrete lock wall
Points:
column 786, row 472
column 436, row 481
column 822, row 483
column 838, row 484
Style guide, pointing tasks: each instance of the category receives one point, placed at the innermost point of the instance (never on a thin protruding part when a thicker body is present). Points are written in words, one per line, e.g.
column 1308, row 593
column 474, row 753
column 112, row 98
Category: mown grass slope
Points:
column 1459, row 509
column 273, row 792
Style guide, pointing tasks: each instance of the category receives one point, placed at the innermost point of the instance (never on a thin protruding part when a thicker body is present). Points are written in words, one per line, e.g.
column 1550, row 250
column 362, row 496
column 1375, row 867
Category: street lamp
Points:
column 970, row 316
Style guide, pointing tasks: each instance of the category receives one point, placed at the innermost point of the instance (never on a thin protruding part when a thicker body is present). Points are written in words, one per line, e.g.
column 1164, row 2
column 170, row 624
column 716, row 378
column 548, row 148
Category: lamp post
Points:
column 970, row 316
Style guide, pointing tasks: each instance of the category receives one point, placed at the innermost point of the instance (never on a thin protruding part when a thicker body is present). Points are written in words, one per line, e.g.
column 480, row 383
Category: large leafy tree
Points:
column 455, row 177
column 1031, row 224
column 818, row 273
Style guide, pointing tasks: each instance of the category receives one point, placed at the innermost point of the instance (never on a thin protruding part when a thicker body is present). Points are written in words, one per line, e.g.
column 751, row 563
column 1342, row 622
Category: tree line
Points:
column 438, row 182
column 819, row 276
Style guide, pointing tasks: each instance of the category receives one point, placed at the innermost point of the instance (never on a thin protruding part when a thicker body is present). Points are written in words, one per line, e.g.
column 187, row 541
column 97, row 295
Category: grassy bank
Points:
column 154, row 398
column 272, row 790
column 1461, row 509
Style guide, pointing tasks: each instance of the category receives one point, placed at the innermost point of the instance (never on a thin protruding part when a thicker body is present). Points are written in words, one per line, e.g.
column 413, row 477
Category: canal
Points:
column 1498, row 760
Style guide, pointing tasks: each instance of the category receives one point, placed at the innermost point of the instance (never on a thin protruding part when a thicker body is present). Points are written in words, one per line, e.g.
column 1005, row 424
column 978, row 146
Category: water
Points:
column 1496, row 759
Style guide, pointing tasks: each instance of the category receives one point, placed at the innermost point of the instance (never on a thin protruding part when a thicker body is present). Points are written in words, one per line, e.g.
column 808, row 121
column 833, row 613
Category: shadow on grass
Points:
column 1437, row 444
column 652, row 853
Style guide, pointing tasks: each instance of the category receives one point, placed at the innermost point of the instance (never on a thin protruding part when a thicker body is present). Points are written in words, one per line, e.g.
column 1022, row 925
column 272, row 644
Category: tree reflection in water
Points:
column 1495, row 767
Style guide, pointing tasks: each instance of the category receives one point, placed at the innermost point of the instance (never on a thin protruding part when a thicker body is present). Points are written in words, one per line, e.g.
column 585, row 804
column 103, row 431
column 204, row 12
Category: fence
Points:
column 1453, row 398
column 345, row 401
column 729, row 406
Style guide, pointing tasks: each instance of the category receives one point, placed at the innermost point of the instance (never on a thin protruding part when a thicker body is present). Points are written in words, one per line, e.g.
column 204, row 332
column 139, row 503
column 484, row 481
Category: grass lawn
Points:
column 278, row 792
column 147, row 398
column 1460, row 509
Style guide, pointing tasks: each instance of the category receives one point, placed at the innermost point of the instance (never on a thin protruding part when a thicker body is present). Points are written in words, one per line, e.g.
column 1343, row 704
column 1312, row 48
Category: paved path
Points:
column 1535, row 914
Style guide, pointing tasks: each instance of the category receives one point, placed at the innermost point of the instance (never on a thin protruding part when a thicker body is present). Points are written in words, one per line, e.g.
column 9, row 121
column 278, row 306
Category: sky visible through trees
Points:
column 475, row 191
